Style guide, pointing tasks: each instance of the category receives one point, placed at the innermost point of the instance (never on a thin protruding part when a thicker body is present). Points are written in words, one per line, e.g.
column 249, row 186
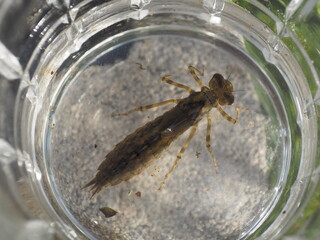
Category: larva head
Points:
column 222, row 88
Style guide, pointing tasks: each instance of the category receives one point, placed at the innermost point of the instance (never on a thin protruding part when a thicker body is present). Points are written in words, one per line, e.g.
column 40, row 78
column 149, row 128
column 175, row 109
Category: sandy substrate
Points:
column 196, row 203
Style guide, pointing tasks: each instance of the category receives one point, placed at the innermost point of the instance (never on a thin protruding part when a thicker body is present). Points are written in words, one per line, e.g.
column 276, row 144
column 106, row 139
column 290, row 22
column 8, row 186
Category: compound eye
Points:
column 229, row 96
column 217, row 81
column 227, row 99
column 228, row 86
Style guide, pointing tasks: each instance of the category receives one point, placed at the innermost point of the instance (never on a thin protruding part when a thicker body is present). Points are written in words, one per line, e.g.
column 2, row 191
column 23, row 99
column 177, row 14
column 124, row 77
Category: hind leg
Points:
column 179, row 156
column 142, row 108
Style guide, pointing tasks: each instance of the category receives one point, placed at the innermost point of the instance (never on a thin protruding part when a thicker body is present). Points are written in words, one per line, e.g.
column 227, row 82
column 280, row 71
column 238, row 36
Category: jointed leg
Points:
column 184, row 147
column 142, row 108
column 208, row 143
column 193, row 71
column 179, row 85
column 226, row 116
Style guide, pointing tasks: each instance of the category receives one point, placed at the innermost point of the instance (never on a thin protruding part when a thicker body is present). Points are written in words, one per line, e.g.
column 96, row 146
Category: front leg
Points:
column 208, row 143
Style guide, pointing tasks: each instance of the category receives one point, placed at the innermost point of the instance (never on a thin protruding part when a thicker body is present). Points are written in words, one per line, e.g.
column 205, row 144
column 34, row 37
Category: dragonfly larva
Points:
column 141, row 148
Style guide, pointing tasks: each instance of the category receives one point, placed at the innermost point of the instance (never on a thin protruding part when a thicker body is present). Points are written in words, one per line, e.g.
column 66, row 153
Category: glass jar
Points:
column 68, row 66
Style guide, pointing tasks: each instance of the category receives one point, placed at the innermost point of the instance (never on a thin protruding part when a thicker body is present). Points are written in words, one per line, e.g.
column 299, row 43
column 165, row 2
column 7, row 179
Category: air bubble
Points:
column 139, row 4
column 309, row 110
column 215, row 6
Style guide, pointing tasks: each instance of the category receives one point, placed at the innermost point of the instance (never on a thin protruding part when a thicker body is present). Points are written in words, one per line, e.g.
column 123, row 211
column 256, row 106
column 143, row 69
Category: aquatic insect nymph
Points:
column 141, row 148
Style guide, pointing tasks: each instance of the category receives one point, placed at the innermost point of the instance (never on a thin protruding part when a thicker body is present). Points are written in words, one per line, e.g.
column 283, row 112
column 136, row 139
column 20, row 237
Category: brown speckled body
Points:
column 141, row 148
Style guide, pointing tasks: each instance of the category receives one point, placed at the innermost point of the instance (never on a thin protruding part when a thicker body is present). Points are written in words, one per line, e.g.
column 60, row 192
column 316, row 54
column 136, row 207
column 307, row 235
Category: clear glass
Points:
column 86, row 60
